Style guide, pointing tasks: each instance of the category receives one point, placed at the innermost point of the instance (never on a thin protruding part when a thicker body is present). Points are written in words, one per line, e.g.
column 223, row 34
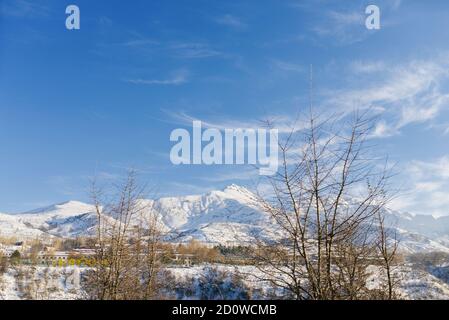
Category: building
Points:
column 8, row 250
column 53, row 258
column 185, row 259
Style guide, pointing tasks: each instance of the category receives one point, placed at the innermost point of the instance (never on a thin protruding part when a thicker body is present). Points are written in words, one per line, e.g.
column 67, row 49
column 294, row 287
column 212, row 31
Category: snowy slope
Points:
column 224, row 216
column 66, row 219
column 11, row 226
column 228, row 216
column 419, row 233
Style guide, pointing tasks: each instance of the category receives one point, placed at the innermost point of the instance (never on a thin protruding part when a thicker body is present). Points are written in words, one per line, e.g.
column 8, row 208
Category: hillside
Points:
column 229, row 216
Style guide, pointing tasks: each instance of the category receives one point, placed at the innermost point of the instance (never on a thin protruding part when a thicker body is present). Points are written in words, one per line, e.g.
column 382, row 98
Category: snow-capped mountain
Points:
column 11, row 226
column 420, row 232
column 221, row 216
column 228, row 216
column 66, row 219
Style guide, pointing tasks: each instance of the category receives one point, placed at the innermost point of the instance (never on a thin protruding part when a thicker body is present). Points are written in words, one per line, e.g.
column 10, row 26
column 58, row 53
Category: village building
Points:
column 53, row 258
column 8, row 250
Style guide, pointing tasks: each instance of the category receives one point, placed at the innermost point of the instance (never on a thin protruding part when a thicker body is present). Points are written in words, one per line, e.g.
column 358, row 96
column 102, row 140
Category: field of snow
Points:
column 414, row 284
column 63, row 283
column 41, row 283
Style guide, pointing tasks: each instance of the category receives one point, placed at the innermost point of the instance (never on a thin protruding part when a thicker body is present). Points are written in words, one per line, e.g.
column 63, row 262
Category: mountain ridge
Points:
column 229, row 217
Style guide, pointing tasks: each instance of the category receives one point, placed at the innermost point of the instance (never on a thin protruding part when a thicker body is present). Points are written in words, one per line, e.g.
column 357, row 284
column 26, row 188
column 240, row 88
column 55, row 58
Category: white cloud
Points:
column 179, row 77
column 180, row 188
column 423, row 109
column 347, row 25
column 23, row 8
column 231, row 21
column 382, row 130
column 438, row 169
column 342, row 27
column 347, row 18
column 408, row 93
column 427, row 187
column 395, row 4
column 139, row 42
column 367, row 66
column 234, row 175
column 288, row 66
column 284, row 124
column 193, row 50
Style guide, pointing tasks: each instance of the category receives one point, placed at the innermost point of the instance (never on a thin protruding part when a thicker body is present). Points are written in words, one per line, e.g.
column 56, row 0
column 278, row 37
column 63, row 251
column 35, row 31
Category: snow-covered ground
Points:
column 414, row 284
column 63, row 283
column 41, row 283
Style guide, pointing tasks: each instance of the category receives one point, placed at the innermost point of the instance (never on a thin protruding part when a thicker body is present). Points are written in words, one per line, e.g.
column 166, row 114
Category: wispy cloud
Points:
column 367, row 66
column 231, row 21
column 287, row 66
column 193, row 50
column 238, row 174
column 345, row 24
column 438, row 168
column 23, row 8
column 140, row 42
column 429, row 182
column 382, row 130
column 405, row 94
column 395, row 4
column 179, row 77
column 180, row 188
column 283, row 123
column 342, row 27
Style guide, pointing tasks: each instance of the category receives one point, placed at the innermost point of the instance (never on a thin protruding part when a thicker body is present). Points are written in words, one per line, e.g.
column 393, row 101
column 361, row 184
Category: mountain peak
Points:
column 238, row 193
column 71, row 206
column 226, row 216
column 235, row 187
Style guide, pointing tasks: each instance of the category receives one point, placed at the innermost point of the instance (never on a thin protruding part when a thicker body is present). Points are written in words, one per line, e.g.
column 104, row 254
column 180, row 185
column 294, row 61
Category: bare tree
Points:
column 326, row 196
column 128, row 237
column 387, row 246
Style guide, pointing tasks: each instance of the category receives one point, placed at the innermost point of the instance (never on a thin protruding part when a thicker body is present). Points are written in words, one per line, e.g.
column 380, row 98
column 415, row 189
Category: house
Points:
column 185, row 259
column 8, row 250
column 85, row 252
column 53, row 258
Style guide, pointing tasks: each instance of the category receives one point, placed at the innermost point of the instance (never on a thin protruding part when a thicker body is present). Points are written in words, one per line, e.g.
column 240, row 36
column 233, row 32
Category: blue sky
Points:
column 105, row 98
